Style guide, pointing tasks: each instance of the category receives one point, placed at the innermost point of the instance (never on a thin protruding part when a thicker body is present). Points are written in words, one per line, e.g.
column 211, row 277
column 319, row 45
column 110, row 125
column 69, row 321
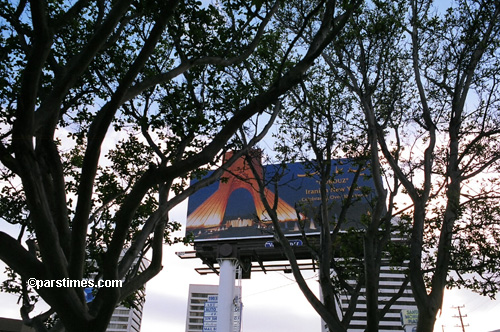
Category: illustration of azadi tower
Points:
column 210, row 213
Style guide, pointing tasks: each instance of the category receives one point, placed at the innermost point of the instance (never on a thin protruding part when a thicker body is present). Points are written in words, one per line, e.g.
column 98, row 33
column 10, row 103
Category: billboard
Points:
column 232, row 208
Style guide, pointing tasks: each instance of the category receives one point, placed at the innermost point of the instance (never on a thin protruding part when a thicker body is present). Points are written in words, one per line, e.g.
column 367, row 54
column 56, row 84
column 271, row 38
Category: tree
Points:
column 448, row 82
column 310, row 131
column 319, row 124
column 367, row 61
column 323, row 121
column 426, row 81
column 173, row 81
column 428, row 89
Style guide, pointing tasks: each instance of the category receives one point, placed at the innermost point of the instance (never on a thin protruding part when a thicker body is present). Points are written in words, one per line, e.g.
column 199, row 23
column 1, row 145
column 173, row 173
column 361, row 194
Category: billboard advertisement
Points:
column 232, row 208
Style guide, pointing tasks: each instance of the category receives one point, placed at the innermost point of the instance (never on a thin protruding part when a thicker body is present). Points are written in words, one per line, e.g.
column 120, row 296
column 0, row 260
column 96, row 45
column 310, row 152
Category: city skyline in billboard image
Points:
column 231, row 208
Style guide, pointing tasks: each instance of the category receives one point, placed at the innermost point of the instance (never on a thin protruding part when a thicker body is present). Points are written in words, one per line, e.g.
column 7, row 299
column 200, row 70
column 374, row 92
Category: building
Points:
column 126, row 319
column 391, row 280
column 198, row 295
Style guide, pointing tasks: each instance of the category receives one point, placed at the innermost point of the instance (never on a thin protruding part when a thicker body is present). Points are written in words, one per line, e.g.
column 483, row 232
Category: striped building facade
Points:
column 391, row 280
column 126, row 319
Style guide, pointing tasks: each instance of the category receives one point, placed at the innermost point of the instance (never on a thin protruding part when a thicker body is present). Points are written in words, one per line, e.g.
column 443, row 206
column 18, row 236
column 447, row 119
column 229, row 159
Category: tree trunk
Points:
column 371, row 282
column 426, row 319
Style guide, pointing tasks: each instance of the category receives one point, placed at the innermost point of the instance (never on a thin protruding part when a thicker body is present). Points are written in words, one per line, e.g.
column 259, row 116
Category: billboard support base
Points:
column 227, row 279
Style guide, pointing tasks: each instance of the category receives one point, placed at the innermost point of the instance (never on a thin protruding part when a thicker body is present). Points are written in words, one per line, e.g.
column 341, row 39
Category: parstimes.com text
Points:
column 66, row 282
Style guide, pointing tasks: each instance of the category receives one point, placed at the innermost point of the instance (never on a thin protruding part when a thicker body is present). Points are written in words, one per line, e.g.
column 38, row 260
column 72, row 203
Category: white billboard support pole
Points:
column 226, row 294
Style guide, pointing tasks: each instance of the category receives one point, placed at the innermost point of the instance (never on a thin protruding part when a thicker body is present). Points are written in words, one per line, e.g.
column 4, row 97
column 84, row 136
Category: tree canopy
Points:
column 424, row 79
column 108, row 108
